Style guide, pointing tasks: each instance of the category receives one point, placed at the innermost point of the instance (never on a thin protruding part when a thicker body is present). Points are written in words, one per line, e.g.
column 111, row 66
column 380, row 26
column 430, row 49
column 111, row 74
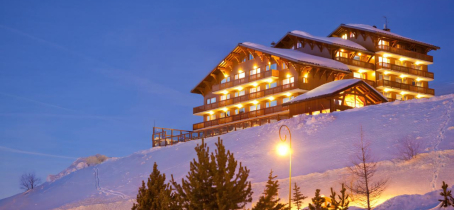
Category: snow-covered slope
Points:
column 322, row 147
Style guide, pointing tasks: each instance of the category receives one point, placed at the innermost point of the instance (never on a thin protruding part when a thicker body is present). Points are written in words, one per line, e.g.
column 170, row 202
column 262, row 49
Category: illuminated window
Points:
column 211, row 117
column 227, row 79
column 344, row 36
column 399, row 97
column 254, row 89
column 326, row 111
column 387, row 94
column 342, row 54
column 354, row 100
column 271, row 85
column 305, row 80
column 225, row 97
column 352, row 35
column 316, row 113
column 383, row 42
column 254, row 71
column 288, row 80
column 287, row 99
column 398, row 80
column 359, row 75
column 271, row 103
column 211, row 100
column 208, row 118
column 225, row 114
column 222, row 115
column 240, row 93
column 271, row 67
column 254, row 107
column 239, row 111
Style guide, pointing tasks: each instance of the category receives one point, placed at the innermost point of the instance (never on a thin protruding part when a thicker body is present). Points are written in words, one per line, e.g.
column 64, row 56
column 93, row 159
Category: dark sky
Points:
column 84, row 77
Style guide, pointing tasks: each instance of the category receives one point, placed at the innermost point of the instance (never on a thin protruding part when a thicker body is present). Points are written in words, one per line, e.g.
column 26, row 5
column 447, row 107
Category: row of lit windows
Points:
column 403, row 80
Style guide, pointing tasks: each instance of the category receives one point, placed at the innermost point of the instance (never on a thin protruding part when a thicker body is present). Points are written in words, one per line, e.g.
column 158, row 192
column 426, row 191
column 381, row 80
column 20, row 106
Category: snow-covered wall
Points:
column 322, row 147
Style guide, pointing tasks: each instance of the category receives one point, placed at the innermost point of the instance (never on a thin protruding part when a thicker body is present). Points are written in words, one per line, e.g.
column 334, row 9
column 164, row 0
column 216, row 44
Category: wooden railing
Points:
column 240, row 116
column 405, row 69
column 354, row 62
column 404, row 52
column 246, row 79
column 194, row 135
column 247, row 97
column 402, row 86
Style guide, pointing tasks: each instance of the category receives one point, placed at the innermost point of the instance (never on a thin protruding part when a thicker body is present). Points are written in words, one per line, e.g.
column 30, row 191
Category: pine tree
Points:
column 447, row 196
column 317, row 202
column 148, row 196
column 270, row 200
column 298, row 197
column 343, row 202
column 214, row 182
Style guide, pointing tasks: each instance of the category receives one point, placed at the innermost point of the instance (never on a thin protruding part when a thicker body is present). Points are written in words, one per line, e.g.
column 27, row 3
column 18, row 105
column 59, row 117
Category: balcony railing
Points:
column 405, row 69
column 240, row 116
column 404, row 52
column 247, row 97
column 398, row 85
column 354, row 62
column 246, row 79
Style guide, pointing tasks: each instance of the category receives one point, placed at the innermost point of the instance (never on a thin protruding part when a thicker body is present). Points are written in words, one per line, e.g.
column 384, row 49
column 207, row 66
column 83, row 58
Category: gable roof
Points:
column 298, row 56
column 292, row 55
column 329, row 89
column 330, row 40
column 372, row 29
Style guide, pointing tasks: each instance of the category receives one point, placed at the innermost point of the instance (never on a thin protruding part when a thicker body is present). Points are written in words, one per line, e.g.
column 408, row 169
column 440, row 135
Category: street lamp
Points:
column 283, row 150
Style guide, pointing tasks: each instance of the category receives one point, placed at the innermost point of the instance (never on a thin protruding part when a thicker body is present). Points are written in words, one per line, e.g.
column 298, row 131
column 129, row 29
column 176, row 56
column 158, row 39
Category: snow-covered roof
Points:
column 329, row 40
column 328, row 89
column 298, row 56
column 386, row 33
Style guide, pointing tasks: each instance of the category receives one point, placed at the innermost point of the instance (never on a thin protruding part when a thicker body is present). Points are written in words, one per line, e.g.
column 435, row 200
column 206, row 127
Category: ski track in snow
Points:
column 439, row 162
column 106, row 191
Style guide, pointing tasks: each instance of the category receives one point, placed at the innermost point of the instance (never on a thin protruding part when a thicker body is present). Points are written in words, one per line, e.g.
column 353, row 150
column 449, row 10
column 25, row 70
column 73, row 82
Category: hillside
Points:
column 322, row 147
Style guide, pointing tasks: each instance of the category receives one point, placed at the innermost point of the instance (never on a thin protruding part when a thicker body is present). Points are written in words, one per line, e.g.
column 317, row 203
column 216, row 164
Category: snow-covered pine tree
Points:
column 214, row 182
column 270, row 200
column 298, row 197
column 447, row 200
column 318, row 202
column 343, row 202
column 148, row 196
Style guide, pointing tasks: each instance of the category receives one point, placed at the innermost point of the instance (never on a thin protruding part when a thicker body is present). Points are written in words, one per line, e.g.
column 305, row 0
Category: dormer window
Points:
column 344, row 36
column 352, row 35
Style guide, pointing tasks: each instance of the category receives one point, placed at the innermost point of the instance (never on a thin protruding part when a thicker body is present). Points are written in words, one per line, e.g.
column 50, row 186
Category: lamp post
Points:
column 290, row 166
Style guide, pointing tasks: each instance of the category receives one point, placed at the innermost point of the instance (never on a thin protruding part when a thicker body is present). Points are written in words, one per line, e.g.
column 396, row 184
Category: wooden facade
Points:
column 250, row 86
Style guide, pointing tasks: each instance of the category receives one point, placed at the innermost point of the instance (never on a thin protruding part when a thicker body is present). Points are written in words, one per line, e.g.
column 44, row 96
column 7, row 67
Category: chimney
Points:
column 385, row 26
column 374, row 26
column 272, row 44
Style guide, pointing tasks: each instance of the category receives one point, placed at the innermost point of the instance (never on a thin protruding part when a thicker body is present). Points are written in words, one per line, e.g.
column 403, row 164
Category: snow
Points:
column 322, row 146
column 329, row 40
column 327, row 89
column 298, row 56
column 376, row 30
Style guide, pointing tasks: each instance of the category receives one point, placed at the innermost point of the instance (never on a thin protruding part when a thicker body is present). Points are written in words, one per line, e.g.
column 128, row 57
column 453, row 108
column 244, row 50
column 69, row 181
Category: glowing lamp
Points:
column 255, row 102
column 283, row 149
column 270, row 98
column 255, row 84
column 211, row 112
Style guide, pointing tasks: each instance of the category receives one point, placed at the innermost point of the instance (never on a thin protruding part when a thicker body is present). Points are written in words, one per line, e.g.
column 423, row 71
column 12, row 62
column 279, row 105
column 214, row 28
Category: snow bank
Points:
column 322, row 147
column 80, row 163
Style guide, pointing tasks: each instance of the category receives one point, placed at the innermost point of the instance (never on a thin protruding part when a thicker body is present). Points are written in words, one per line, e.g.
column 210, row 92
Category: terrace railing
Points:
column 404, row 69
column 354, row 62
column 402, row 86
column 404, row 52
column 246, row 79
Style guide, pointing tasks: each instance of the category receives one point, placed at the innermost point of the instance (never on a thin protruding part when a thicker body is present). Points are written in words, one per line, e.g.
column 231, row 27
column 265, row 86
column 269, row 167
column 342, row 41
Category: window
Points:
column 342, row 54
column 225, row 114
column 383, row 62
column 254, row 71
column 305, row 80
column 356, row 57
column 344, row 36
column 251, row 57
column 405, row 80
column 254, row 107
column 211, row 100
column 271, row 103
column 271, row 67
column 284, row 66
column 244, row 60
column 288, row 80
column 222, row 115
column 383, row 42
column 413, row 66
column 359, row 75
column 287, row 99
column 271, row 85
column 387, row 94
column 326, row 111
column 208, row 118
column 383, row 77
column 239, row 111
column 398, row 62
column 298, row 45
column 399, row 97
column 254, row 89
column 354, row 100
column 398, row 80
column 240, row 93
column 240, row 75
column 211, row 117
column 315, row 112
column 417, row 84
column 352, row 35
column 227, row 79
column 225, row 97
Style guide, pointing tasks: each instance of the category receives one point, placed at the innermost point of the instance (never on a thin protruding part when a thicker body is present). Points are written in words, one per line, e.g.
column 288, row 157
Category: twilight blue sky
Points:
column 84, row 77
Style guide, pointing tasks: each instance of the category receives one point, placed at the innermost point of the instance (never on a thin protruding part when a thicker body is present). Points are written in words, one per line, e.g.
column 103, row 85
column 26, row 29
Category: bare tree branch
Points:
column 408, row 148
column 29, row 181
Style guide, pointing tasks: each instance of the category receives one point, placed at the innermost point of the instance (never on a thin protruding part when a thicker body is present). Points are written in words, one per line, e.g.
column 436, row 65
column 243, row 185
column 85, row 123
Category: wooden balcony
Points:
column 354, row 62
column 247, row 97
column 404, row 52
column 404, row 69
column 408, row 87
column 246, row 79
column 241, row 116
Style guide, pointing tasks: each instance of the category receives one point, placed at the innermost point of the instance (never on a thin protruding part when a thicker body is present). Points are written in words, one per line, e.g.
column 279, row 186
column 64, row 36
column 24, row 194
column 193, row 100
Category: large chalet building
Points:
column 301, row 74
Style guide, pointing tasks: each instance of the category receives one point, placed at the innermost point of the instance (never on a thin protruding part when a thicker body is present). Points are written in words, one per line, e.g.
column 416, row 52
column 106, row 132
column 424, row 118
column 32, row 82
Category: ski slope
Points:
column 322, row 145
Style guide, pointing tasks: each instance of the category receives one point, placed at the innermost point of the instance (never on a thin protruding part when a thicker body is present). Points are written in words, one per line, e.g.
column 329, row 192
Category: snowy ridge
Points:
column 330, row 40
column 299, row 56
column 322, row 147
